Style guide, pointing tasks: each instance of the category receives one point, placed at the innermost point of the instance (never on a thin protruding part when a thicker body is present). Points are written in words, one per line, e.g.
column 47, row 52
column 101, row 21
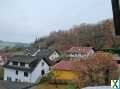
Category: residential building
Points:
column 51, row 54
column 80, row 52
column 26, row 68
column 4, row 56
column 64, row 71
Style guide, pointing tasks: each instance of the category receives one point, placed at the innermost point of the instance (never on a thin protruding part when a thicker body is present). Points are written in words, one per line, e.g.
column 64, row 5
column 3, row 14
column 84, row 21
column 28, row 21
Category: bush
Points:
column 44, row 79
column 1, row 73
column 70, row 86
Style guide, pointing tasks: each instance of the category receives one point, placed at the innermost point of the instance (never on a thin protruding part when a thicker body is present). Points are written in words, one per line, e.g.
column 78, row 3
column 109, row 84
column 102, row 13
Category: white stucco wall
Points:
column 12, row 73
column 37, row 71
column 32, row 77
column 54, row 56
column 91, row 52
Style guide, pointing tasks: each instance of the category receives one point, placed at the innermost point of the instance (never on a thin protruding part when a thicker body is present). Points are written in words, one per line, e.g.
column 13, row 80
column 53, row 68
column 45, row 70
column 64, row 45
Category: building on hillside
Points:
column 26, row 68
column 63, row 72
column 80, row 52
column 4, row 57
column 51, row 54
column 117, row 58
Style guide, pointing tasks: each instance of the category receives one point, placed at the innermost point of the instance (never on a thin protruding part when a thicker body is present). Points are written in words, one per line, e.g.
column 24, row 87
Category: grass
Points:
column 46, row 85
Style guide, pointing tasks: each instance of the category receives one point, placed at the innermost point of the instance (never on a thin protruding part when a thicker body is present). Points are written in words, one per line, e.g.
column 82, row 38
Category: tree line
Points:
column 99, row 35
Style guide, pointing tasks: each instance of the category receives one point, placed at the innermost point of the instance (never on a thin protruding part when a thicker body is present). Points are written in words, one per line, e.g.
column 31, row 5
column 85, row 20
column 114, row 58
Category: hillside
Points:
column 99, row 35
column 4, row 44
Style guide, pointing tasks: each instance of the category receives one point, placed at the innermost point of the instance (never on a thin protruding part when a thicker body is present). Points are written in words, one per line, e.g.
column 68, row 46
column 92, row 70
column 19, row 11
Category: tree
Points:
column 96, row 70
column 99, row 35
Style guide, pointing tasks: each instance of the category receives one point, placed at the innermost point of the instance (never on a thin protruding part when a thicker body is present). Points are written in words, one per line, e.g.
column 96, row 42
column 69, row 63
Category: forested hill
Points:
column 99, row 35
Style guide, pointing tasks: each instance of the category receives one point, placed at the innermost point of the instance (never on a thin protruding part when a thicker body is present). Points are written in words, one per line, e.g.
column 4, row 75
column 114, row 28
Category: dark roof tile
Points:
column 14, row 85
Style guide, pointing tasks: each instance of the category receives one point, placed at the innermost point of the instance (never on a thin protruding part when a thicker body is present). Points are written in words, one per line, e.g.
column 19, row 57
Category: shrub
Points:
column 70, row 86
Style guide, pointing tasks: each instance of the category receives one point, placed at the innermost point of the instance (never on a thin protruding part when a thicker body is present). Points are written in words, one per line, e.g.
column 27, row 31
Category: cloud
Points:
column 22, row 20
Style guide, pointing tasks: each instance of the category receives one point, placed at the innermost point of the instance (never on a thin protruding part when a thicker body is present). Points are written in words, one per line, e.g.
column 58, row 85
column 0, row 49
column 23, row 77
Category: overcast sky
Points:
column 23, row 20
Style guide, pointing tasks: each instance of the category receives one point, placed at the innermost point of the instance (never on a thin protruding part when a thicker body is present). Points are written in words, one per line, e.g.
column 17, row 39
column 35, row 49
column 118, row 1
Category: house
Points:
column 4, row 57
column 64, row 71
column 14, row 85
column 29, row 69
column 51, row 54
column 80, row 52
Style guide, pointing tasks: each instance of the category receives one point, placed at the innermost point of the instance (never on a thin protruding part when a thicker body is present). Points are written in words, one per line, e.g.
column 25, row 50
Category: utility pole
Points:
column 116, row 15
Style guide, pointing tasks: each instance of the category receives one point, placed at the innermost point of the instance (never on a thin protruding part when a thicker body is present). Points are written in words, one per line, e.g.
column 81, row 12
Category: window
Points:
column 26, row 74
column 16, row 72
column 42, row 72
column 15, row 63
column 16, row 79
column 9, row 78
column 22, row 64
column 42, row 63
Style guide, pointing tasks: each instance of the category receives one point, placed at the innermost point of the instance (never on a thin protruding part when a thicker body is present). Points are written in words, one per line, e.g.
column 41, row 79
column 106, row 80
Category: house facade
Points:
column 4, row 57
column 52, row 54
column 64, row 71
column 25, row 69
column 80, row 52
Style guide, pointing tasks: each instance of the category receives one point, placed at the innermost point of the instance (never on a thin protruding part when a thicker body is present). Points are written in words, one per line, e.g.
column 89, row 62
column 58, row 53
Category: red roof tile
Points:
column 64, row 65
column 79, row 49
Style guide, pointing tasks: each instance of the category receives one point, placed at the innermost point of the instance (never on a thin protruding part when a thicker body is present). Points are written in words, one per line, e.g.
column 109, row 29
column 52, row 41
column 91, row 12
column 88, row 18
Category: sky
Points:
column 24, row 20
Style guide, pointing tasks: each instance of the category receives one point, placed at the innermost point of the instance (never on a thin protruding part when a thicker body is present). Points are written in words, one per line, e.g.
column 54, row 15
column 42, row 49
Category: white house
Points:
column 80, row 52
column 4, row 56
column 51, row 54
column 26, row 69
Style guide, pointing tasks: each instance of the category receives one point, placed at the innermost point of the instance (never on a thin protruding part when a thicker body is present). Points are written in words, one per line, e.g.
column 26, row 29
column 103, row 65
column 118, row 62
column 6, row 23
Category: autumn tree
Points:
column 99, row 35
column 96, row 70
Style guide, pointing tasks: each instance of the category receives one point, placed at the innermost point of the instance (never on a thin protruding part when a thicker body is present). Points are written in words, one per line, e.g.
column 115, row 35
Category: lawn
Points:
column 49, row 86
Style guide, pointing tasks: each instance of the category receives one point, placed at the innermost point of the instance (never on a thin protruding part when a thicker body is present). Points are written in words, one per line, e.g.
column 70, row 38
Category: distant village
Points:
column 69, row 67
column 77, row 67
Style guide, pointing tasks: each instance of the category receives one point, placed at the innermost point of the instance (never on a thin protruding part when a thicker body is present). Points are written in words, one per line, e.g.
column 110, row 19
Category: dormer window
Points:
column 26, row 74
column 22, row 64
column 10, row 63
column 15, row 63
column 27, row 65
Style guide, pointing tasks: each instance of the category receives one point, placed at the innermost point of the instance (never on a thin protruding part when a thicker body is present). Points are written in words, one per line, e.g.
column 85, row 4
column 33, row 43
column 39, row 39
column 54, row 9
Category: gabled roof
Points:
column 14, row 85
column 41, row 51
column 46, row 52
column 80, row 49
column 30, row 51
column 32, row 61
column 64, row 65
column 22, row 58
